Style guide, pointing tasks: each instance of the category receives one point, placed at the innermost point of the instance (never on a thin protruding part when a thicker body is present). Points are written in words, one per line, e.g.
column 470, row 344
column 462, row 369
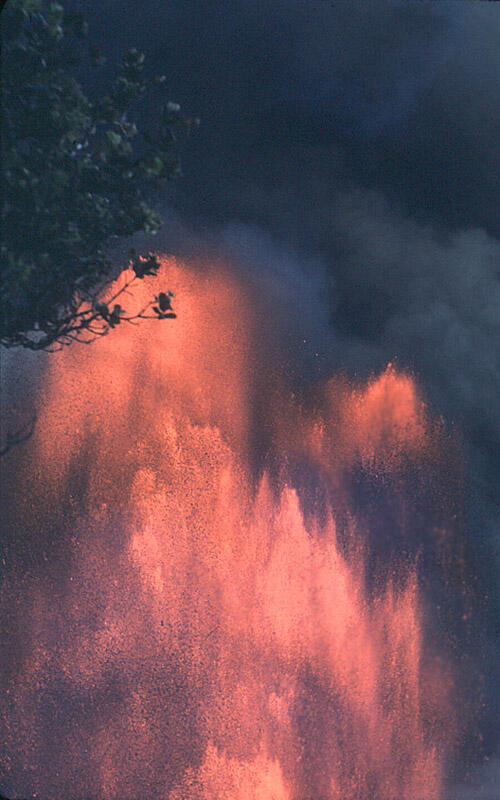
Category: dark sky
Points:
column 399, row 97
column 351, row 151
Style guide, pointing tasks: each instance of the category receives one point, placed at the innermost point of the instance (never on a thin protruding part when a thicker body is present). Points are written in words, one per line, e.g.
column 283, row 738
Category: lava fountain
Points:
column 215, row 588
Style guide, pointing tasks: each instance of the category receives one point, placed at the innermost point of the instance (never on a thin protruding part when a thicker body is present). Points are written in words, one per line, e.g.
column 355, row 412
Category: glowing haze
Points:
column 220, row 619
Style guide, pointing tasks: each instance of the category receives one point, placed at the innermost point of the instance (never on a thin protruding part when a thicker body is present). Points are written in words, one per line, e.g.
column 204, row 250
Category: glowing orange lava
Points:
column 214, row 630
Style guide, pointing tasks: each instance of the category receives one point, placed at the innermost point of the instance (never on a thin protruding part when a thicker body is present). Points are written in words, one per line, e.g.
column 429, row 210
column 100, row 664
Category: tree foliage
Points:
column 77, row 172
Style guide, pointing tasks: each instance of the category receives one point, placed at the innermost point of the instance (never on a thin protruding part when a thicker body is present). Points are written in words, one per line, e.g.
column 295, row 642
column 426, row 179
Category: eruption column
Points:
column 185, row 624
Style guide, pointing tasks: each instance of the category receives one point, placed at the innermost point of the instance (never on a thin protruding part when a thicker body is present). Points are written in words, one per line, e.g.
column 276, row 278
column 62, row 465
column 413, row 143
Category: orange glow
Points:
column 224, row 634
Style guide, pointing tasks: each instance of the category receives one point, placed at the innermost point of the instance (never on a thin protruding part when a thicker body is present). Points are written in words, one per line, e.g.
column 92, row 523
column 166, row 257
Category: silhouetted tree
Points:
column 76, row 174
